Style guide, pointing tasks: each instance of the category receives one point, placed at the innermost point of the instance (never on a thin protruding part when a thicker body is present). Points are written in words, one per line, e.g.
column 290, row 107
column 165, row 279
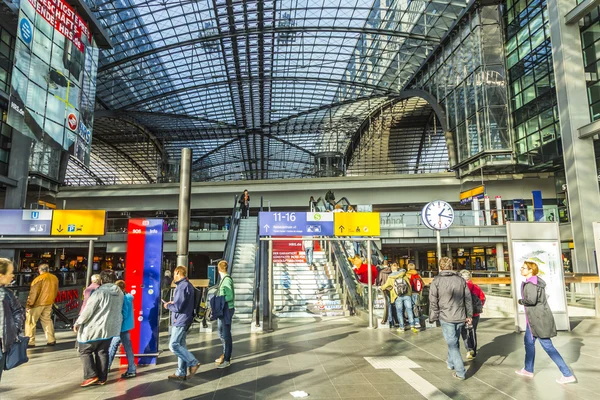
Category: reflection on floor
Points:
column 326, row 359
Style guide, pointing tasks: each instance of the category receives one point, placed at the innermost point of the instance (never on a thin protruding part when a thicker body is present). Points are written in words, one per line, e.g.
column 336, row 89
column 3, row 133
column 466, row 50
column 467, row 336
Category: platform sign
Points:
column 25, row 222
column 286, row 223
column 78, row 222
column 357, row 224
column 142, row 277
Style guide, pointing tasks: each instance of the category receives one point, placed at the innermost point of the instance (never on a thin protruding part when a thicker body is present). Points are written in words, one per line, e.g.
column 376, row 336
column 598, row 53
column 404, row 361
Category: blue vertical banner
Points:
column 212, row 275
column 538, row 208
column 142, row 280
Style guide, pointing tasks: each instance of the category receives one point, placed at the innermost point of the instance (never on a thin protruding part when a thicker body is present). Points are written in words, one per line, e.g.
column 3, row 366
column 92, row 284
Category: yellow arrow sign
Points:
column 78, row 222
column 356, row 224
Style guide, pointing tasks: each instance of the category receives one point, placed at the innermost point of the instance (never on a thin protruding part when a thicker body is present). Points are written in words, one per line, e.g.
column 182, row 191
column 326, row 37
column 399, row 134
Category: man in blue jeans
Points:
column 226, row 290
column 182, row 316
column 450, row 303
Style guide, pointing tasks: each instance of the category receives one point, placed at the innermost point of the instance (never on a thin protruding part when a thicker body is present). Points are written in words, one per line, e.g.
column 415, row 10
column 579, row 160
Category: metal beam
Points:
column 580, row 10
column 128, row 157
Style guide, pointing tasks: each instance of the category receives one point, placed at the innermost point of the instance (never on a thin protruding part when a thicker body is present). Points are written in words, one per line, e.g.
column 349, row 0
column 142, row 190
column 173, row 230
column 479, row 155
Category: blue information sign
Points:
column 25, row 222
column 286, row 223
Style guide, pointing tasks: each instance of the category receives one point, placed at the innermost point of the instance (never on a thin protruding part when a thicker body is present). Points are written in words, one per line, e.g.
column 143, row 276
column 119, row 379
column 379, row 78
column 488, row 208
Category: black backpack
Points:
column 477, row 304
column 401, row 286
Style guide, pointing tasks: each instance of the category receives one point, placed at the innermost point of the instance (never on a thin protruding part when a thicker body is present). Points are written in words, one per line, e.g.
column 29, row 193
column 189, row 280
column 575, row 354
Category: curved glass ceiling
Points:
column 256, row 88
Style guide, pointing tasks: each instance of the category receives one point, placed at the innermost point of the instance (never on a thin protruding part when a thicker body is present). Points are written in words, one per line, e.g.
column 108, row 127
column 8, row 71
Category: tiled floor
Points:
column 325, row 358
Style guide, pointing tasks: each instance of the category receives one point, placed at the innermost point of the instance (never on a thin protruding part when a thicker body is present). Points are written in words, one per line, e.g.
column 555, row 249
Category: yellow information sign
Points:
column 356, row 224
column 78, row 222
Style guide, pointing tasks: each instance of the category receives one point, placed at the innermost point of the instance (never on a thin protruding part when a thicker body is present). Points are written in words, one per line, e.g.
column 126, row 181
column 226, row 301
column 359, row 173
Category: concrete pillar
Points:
column 500, row 256
column 18, row 169
column 183, row 216
column 475, row 208
column 578, row 154
column 417, row 263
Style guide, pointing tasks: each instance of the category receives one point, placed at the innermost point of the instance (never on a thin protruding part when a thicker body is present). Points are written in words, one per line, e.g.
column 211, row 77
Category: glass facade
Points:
column 531, row 83
column 7, row 50
column 590, row 41
column 467, row 76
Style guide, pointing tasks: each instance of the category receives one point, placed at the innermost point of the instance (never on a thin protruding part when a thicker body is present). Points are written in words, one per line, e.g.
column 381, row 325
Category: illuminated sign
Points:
column 25, row 222
column 468, row 195
column 357, row 224
column 78, row 222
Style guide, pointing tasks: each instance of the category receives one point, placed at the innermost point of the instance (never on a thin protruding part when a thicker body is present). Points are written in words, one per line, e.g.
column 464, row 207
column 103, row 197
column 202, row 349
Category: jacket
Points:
column 102, row 317
column 87, row 293
column 449, row 298
column 182, row 308
column 127, row 313
column 43, row 290
column 389, row 284
column 476, row 291
column 537, row 311
column 12, row 318
column 363, row 274
column 226, row 289
column 382, row 276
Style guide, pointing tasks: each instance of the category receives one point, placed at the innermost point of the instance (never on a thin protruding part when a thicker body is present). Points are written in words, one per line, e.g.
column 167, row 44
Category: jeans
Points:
column 403, row 302
column 225, row 335
column 391, row 309
column 357, row 248
column 177, row 346
column 309, row 255
column 2, row 361
column 451, row 333
column 416, row 306
column 550, row 350
column 94, row 356
column 471, row 340
column 114, row 348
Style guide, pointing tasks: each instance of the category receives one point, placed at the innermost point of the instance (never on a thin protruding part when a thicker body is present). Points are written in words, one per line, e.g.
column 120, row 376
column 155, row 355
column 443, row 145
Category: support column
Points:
column 18, row 169
column 500, row 256
column 417, row 263
column 183, row 217
column 578, row 154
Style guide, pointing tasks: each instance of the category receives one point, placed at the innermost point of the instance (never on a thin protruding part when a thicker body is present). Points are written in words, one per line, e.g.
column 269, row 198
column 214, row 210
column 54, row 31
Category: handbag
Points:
column 17, row 354
column 217, row 304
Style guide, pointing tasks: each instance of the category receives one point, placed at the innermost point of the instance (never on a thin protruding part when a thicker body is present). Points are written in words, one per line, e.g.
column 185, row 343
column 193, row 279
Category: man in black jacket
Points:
column 450, row 303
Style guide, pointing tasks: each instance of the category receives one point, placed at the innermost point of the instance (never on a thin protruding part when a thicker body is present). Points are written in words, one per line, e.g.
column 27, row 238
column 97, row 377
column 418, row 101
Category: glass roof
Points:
column 256, row 88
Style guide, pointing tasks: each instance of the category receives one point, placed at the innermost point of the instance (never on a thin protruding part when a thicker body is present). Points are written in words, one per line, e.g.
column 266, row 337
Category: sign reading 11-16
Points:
column 286, row 223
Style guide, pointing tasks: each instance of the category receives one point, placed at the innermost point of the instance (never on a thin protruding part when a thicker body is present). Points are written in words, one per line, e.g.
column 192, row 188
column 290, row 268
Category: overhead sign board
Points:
column 25, row 222
column 78, row 222
column 468, row 195
column 286, row 223
column 357, row 224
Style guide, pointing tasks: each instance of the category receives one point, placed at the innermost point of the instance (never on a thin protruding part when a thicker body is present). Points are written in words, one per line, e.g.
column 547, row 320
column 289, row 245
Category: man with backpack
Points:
column 401, row 295
column 469, row 334
column 416, row 284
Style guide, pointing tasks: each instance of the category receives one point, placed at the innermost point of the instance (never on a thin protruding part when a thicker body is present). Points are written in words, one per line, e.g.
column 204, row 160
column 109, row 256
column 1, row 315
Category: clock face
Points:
column 438, row 215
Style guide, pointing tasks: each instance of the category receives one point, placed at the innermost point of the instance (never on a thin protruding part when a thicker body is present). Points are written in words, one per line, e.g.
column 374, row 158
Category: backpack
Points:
column 416, row 283
column 477, row 304
column 401, row 287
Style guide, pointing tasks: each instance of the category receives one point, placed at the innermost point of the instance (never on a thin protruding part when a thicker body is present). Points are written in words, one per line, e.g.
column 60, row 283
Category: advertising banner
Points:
column 53, row 83
column 288, row 252
column 25, row 222
column 142, row 277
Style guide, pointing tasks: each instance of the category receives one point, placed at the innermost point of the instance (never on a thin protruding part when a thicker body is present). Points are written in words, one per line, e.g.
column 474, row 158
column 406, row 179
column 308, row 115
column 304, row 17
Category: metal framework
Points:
column 256, row 87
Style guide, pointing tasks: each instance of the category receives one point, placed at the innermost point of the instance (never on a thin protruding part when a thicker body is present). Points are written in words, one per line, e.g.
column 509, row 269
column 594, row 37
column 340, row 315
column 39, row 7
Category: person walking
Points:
column 124, row 337
column 12, row 315
column 99, row 322
column 182, row 316
column 39, row 303
column 89, row 290
column 398, row 284
column 307, row 244
column 226, row 290
column 469, row 334
column 539, row 323
column 450, row 303
column 244, row 204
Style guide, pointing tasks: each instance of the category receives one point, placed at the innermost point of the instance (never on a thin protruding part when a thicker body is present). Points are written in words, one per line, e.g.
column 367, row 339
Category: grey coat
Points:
column 101, row 319
column 538, row 313
column 449, row 298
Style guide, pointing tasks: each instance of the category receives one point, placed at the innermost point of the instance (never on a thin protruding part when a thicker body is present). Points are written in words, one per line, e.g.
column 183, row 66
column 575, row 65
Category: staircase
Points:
column 243, row 269
column 300, row 291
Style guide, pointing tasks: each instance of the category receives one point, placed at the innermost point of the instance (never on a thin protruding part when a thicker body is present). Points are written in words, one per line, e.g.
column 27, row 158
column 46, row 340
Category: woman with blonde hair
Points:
column 540, row 323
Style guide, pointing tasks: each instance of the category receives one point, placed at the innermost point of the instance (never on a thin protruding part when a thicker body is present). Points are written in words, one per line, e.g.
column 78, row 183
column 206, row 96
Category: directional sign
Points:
column 78, row 222
column 357, row 224
column 295, row 224
column 25, row 222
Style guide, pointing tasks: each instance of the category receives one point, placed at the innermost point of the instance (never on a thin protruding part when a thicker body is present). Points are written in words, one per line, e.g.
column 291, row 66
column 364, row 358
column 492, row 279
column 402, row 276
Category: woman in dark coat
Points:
column 244, row 204
column 11, row 312
column 540, row 323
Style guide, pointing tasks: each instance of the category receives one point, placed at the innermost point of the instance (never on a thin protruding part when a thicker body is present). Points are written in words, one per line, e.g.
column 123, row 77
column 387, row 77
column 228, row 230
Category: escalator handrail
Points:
column 257, row 270
column 229, row 250
column 347, row 273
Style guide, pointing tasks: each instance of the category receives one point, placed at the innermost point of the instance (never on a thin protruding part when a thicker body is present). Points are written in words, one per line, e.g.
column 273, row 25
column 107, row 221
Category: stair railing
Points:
column 229, row 250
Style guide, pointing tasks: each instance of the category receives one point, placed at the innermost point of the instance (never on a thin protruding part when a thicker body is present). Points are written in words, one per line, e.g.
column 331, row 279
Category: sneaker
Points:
column 566, row 379
column 51, row 344
column 414, row 329
column 448, row 366
column 460, row 378
column 224, row 364
column 523, row 372
column 470, row 355
column 194, row 369
column 30, row 346
column 175, row 377
column 128, row 375
column 220, row 359
column 418, row 326
column 401, row 329
column 89, row 382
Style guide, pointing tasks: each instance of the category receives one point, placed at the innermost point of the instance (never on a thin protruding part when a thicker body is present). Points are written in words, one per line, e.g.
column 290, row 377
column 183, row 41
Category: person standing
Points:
column 416, row 284
column 329, row 200
column 41, row 297
column 182, row 316
column 450, row 303
column 398, row 280
column 244, row 204
column 478, row 299
column 124, row 337
column 99, row 322
column 539, row 323
column 12, row 316
column 307, row 244
column 89, row 290
column 226, row 290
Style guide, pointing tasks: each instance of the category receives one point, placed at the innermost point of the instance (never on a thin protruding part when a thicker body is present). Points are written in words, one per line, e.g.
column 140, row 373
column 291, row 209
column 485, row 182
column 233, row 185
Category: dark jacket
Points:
column 449, row 298
column 182, row 309
column 538, row 313
column 11, row 318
